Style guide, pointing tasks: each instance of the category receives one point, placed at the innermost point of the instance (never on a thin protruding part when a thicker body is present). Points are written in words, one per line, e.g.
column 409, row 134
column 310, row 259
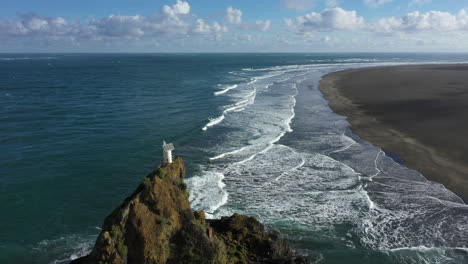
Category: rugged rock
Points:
column 156, row 225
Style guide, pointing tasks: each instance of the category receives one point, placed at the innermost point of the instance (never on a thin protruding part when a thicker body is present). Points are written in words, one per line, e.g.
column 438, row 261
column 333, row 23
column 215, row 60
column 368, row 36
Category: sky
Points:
column 234, row 26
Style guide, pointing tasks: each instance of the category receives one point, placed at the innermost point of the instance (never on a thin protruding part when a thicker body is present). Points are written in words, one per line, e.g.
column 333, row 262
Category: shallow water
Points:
column 293, row 163
column 79, row 132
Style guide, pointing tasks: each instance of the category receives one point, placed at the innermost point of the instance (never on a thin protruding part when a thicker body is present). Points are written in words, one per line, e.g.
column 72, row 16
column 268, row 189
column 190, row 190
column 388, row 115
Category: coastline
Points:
column 415, row 111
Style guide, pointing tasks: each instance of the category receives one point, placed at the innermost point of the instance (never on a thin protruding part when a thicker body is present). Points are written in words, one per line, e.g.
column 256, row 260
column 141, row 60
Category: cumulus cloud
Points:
column 419, row 2
column 120, row 26
column 179, row 8
column 332, row 3
column 233, row 15
column 169, row 20
column 262, row 25
column 32, row 24
column 173, row 19
column 338, row 19
column 200, row 27
column 298, row 5
column 333, row 19
column 376, row 3
column 259, row 25
column 327, row 40
column 421, row 22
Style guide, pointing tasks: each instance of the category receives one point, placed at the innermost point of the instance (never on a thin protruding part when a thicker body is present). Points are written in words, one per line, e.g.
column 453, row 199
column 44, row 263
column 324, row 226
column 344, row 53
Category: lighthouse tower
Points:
column 167, row 152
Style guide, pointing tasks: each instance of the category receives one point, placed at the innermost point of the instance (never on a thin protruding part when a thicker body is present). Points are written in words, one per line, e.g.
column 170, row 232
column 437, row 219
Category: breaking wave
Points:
column 304, row 172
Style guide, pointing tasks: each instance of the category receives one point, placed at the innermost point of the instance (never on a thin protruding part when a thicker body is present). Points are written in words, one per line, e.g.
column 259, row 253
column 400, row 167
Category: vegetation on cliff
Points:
column 156, row 225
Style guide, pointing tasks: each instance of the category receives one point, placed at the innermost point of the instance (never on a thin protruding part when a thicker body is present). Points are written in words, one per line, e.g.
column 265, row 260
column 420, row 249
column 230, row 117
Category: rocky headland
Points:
column 156, row 224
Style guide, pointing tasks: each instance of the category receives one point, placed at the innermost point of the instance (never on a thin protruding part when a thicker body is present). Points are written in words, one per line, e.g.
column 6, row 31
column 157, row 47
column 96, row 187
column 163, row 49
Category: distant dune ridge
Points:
column 419, row 112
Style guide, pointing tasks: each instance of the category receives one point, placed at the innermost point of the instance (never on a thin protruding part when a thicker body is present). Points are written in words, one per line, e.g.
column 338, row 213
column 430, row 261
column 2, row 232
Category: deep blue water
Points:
column 78, row 132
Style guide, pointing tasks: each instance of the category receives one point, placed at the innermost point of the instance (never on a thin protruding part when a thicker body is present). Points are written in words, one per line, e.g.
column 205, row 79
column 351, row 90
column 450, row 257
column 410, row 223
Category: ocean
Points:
column 79, row 132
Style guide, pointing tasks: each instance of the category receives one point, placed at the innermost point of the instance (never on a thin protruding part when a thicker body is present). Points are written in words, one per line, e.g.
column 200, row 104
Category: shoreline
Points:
column 409, row 111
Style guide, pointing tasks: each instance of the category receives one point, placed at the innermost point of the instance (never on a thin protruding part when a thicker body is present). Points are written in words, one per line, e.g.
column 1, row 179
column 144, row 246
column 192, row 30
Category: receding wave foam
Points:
column 305, row 173
column 213, row 121
column 66, row 247
column 236, row 107
column 27, row 58
column 207, row 191
column 225, row 90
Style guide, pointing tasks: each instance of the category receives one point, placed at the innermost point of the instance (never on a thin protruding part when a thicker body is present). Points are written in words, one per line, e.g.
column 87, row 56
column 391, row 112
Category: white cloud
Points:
column 298, row 5
column 200, row 27
column 120, row 26
column 170, row 20
column 420, row 22
column 338, row 19
column 179, row 8
column 418, row 2
column 376, row 3
column 32, row 24
column 332, row 3
column 259, row 25
column 233, row 15
column 327, row 39
column 329, row 20
column 263, row 25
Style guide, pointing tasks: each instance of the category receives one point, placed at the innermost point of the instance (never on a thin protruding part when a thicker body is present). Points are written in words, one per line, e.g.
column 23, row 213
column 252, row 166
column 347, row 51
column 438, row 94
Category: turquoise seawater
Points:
column 78, row 132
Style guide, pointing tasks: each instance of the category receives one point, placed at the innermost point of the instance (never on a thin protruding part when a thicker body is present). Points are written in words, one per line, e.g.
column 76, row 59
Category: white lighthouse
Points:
column 167, row 152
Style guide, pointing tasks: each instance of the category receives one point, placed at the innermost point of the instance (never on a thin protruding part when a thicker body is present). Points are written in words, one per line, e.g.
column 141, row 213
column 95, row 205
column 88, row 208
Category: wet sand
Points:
column 419, row 112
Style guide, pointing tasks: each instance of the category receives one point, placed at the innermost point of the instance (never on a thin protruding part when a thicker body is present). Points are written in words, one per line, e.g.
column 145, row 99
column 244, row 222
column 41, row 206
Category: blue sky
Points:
column 233, row 26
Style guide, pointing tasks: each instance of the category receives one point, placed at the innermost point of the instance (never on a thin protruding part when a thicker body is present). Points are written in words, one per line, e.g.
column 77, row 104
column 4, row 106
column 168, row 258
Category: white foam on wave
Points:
column 425, row 249
column 249, row 99
column 347, row 139
column 213, row 121
column 253, row 80
column 227, row 89
column 378, row 171
column 303, row 161
column 293, row 113
column 255, row 155
column 237, row 107
column 207, row 191
column 276, row 68
column 27, row 58
column 67, row 248
column 345, row 60
column 220, row 156
column 270, row 144
column 310, row 191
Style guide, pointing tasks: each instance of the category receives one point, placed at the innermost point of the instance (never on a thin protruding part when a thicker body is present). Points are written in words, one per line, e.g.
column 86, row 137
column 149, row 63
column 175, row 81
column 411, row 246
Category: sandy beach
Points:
column 419, row 112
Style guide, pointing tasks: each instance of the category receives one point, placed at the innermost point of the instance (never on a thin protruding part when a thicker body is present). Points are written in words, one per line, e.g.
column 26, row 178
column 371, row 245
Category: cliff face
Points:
column 156, row 225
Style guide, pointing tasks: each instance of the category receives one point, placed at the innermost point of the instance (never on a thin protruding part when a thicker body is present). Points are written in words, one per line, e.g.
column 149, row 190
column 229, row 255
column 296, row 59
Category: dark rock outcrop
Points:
column 156, row 225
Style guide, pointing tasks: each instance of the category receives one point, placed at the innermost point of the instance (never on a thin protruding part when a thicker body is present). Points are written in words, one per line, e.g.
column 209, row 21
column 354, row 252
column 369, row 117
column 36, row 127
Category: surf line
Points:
column 345, row 138
column 208, row 190
column 227, row 89
column 237, row 107
column 369, row 201
column 271, row 143
column 224, row 197
column 288, row 129
column 302, row 163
